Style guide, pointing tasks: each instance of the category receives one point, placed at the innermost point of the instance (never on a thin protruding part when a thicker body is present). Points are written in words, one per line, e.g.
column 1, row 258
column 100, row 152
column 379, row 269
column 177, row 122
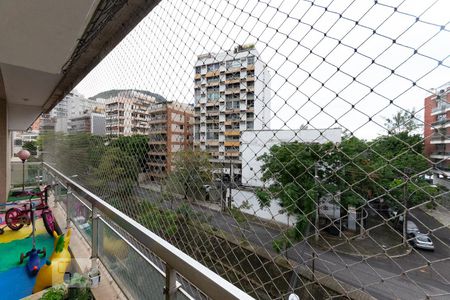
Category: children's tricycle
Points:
column 16, row 217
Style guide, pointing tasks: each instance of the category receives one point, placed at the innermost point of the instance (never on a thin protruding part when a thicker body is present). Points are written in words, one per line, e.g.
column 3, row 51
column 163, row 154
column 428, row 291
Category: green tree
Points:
column 191, row 172
column 135, row 146
column 115, row 176
column 289, row 170
column 30, row 146
column 402, row 121
column 356, row 171
column 163, row 222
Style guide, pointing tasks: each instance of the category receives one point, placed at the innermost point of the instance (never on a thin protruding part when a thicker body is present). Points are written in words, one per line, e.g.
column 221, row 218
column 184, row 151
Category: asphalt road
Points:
column 418, row 275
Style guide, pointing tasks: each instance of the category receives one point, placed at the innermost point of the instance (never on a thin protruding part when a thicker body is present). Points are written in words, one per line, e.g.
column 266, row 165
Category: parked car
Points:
column 422, row 241
column 411, row 228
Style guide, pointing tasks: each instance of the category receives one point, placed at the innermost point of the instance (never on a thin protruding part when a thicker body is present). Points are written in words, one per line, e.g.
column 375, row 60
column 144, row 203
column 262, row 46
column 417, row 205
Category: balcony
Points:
column 440, row 155
column 440, row 139
column 441, row 124
column 232, row 132
column 442, row 108
column 231, row 143
column 133, row 261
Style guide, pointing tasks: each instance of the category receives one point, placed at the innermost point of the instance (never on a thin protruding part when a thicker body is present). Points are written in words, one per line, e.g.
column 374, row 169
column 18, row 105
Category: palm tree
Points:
column 402, row 121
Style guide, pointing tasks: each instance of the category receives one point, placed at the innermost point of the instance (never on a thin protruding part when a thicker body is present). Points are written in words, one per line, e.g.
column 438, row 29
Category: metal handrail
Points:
column 200, row 276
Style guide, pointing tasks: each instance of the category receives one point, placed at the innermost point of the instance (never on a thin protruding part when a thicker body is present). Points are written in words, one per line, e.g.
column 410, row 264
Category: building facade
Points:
column 170, row 131
column 72, row 106
column 128, row 113
column 92, row 122
column 437, row 130
column 231, row 96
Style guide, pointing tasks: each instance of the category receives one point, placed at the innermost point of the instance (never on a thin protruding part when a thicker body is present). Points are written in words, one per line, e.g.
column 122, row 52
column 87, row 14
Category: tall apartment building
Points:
column 231, row 95
column 437, row 130
column 72, row 106
column 170, row 131
column 127, row 113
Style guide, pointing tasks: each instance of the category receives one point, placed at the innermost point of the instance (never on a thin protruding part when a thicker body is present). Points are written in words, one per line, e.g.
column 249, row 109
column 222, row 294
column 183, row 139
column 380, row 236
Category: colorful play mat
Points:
column 15, row 283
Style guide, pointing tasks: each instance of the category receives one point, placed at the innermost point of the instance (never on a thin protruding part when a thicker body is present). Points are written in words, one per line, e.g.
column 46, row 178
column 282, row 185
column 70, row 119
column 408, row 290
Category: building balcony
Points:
column 212, row 142
column 232, row 91
column 233, row 70
column 129, row 260
column 212, row 83
column 232, row 133
column 232, row 80
column 212, row 112
column 212, row 73
column 440, row 155
column 232, row 143
column 441, row 124
column 231, row 153
column 440, row 139
column 442, row 108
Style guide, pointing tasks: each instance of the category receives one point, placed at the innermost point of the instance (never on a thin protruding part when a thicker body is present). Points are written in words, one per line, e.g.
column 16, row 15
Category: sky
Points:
column 341, row 63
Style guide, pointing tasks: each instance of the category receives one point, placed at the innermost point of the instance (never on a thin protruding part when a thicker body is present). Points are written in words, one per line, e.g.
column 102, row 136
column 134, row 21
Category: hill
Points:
column 114, row 93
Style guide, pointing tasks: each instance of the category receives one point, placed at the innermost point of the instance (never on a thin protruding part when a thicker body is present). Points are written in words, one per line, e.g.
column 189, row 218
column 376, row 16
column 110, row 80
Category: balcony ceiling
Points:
column 39, row 38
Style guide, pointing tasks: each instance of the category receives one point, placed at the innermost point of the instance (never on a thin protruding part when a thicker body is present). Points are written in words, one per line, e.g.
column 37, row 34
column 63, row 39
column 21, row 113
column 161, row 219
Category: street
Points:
column 418, row 275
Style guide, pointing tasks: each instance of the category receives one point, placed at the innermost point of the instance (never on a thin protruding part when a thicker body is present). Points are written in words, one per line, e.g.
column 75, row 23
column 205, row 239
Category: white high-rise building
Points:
column 231, row 96
column 72, row 106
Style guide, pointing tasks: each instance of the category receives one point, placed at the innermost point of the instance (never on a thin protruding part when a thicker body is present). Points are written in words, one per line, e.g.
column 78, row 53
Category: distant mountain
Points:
column 114, row 93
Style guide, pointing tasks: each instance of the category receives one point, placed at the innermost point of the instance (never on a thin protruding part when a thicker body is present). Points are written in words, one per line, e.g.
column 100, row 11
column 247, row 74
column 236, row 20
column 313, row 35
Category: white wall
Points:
column 255, row 143
column 273, row 213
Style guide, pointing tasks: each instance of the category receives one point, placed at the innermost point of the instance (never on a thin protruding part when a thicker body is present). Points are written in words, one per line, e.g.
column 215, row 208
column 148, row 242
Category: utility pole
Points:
column 316, row 221
column 230, row 185
column 222, row 198
column 405, row 201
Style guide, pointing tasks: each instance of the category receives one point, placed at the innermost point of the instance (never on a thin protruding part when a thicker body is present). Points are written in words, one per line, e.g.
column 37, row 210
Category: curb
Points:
column 375, row 255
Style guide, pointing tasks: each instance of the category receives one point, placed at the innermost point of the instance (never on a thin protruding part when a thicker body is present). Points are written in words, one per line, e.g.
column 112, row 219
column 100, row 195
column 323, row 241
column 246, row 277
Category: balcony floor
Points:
column 15, row 283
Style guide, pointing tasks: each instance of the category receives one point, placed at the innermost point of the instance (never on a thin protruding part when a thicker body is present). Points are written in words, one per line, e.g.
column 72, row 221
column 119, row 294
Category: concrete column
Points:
column 4, row 152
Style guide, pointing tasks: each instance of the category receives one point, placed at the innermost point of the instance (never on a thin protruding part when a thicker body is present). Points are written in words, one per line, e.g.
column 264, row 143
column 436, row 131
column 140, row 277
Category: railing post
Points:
column 67, row 205
column 170, row 290
column 95, row 227
column 94, row 273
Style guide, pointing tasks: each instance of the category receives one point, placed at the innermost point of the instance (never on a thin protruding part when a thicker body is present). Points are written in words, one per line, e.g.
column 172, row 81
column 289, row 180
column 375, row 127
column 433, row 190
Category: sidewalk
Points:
column 441, row 214
column 381, row 240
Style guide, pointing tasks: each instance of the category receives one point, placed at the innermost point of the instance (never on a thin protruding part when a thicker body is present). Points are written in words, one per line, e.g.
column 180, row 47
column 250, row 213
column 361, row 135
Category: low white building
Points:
column 255, row 143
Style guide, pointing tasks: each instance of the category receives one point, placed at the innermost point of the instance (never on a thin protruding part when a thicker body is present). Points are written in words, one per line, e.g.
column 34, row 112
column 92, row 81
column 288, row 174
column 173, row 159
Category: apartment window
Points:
column 198, row 69
column 213, row 96
column 250, row 60
column 235, row 63
column 213, row 67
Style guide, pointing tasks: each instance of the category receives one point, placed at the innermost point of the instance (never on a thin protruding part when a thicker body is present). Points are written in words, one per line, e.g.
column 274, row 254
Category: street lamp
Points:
column 23, row 155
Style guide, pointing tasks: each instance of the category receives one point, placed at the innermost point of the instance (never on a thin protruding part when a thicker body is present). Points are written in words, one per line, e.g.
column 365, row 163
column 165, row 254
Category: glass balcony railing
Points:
column 29, row 173
column 441, row 108
column 439, row 137
column 440, row 153
column 139, row 261
column 440, row 122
